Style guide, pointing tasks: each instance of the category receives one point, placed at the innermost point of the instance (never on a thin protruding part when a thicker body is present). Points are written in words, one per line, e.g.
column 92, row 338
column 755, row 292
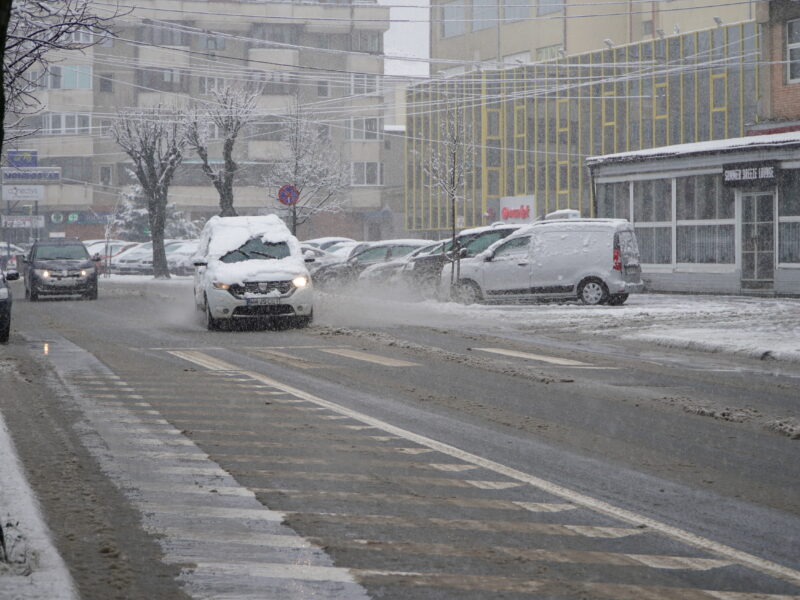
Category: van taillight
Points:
column 617, row 261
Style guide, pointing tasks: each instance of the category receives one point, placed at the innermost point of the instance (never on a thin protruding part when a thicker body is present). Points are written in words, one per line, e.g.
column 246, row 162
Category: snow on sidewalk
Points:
column 33, row 569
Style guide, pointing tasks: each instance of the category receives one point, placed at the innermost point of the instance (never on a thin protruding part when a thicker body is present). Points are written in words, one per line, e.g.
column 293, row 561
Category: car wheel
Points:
column 5, row 329
column 467, row 292
column 592, row 292
column 302, row 322
column 212, row 324
column 617, row 299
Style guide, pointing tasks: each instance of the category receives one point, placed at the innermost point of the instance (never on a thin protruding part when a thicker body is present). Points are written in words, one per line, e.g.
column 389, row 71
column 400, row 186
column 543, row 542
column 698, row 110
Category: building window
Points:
column 212, row 84
column 214, row 42
column 367, row 173
column 368, row 128
column 81, row 36
column 548, row 52
column 105, row 175
column 516, row 10
column 547, row 7
column 70, row 77
column 106, row 82
column 364, row 83
column 366, row 41
column 652, row 216
column 158, row 33
column 277, row 32
column 706, row 228
column 793, row 50
column 789, row 217
column 614, row 200
column 647, row 27
column 484, row 14
column 323, row 88
column 454, row 18
column 66, row 123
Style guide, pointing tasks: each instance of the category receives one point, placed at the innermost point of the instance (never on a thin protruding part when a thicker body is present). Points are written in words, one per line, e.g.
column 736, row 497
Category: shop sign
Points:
column 23, row 158
column 23, row 221
column 516, row 209
column 31, row 175
column 763, row 174
column 20, row 193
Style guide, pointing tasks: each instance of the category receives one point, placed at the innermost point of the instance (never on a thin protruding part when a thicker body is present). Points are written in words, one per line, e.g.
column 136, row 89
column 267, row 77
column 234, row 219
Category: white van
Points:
column 251, row 268
column 592, row 260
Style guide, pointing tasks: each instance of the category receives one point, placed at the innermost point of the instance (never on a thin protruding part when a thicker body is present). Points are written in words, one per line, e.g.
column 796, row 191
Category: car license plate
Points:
column 261, row 301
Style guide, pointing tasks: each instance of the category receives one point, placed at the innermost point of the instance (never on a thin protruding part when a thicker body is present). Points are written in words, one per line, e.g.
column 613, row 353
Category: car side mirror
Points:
column 462, row 253
column 12, row 275
column 199, row 263
column 488, row 257
column 310, row 259
column 97, row 257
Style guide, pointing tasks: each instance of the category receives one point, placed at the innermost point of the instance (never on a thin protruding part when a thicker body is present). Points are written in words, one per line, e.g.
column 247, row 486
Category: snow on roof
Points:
column 224, row 234
column 777, row 140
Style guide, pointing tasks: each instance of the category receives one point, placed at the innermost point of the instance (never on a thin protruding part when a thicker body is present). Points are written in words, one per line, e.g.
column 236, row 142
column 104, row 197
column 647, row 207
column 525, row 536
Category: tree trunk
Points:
column 5, row 17
column 158, row 219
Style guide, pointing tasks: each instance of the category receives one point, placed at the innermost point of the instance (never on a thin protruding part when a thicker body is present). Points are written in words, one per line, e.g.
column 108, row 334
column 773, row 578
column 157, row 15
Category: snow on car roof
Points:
column 776, row 140
column 225, row 234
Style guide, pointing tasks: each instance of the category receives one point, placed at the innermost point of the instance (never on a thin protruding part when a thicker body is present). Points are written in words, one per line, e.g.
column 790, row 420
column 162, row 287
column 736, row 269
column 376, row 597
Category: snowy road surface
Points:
column 413, row 450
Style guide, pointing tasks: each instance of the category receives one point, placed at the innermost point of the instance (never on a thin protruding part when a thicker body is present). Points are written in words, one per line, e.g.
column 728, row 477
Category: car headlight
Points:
column 84, row 272
column 221, row 286
column 300, row 281
column 43, row 273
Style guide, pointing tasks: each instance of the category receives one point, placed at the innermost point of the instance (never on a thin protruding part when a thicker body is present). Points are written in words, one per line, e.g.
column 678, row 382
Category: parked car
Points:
column 344, row 250
column 251, row 268
column 595, row 261
column 323, row 243
column 5, row 303
column 421, row 273
column 345, row 273
column 320, row 257
column 139, row 259
column 385, row 274
column 179, row 257
column 108, row 249
column 60, row 267
column 8, row 255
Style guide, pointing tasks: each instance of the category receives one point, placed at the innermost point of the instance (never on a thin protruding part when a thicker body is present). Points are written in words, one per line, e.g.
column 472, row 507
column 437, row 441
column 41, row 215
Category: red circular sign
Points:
column 288, row 195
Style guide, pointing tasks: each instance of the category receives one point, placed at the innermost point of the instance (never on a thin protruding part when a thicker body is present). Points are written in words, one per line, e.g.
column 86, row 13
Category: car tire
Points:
column 617, row 299
column 467, row 292
column 592, row 292
column 212, row 324
column 5, row 330
column 303, row 322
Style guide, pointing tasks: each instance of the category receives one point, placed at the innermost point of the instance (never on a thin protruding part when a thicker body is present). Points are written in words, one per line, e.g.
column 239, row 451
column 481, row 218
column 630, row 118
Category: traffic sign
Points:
column 288, row 195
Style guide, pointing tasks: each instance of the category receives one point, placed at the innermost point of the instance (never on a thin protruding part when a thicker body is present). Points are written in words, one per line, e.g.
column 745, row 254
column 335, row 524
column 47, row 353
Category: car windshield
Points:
column 482, row 242
column 61, row 252
column 257, row 249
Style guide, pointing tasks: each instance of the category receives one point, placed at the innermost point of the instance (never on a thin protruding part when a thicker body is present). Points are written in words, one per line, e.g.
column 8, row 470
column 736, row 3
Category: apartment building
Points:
column 465, row 34
column 330, row 54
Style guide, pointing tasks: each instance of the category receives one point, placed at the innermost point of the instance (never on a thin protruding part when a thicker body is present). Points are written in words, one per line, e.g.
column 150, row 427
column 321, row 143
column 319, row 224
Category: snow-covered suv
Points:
column 251, row 268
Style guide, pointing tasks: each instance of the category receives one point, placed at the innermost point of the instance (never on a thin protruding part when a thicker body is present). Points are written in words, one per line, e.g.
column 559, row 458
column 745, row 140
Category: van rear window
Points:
column 257, row 249
column 628, row 247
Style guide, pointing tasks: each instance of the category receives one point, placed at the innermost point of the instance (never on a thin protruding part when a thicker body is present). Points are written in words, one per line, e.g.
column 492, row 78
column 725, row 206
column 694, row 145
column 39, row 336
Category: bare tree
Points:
column 231, row 109
column 450, row 162
column 155, row 139
column 31, row 30
column 310, row 164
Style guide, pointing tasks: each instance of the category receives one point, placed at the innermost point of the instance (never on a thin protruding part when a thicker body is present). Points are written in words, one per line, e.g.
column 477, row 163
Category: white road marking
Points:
column 494, row 485
column 564, row 362
column 373, row 358
column 454, row 468
column 754, row 562
column 545, row 507
column 248, row 538
column 279, row 571
column 189, row 510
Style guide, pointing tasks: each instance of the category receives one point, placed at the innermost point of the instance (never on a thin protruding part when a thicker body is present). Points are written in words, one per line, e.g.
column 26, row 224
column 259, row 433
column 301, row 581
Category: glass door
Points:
column 758, row 240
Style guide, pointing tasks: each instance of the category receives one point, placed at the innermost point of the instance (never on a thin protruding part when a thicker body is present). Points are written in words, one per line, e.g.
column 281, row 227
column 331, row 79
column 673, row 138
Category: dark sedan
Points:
column 60, row 267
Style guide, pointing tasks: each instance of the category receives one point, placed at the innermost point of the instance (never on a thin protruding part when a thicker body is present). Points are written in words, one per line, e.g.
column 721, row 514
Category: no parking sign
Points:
column 288, row 195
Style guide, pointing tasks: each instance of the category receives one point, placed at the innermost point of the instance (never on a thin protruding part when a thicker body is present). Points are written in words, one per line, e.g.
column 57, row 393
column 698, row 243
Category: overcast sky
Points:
column 407, row 39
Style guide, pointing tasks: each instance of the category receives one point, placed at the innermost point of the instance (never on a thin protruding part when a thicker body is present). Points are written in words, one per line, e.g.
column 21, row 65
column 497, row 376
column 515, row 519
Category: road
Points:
column 397, row 454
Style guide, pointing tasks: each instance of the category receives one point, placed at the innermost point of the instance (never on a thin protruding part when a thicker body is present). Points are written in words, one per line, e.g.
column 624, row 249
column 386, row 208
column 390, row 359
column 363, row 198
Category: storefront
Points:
column 720, row 216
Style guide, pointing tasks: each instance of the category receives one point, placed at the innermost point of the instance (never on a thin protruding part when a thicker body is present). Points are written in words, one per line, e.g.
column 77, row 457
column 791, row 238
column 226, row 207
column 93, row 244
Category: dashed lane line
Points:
column 754, row 562
column 372, row 358
column 564, row 362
